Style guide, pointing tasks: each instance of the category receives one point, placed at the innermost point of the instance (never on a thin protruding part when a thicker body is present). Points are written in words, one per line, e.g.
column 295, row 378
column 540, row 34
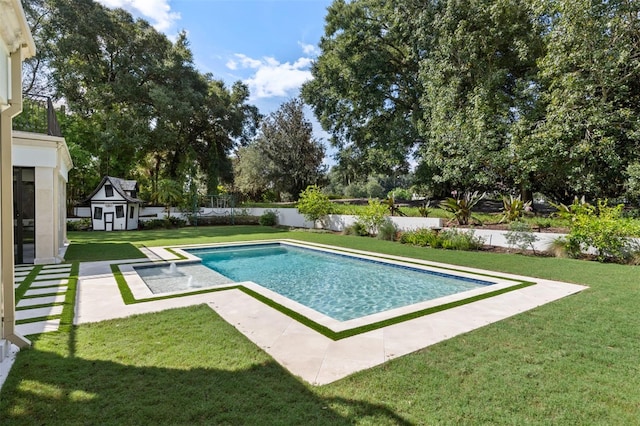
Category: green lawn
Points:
column 574, row 361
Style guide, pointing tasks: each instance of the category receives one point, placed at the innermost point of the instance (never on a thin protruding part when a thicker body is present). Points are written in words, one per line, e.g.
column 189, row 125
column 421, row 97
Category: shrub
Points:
column 83, row 224
column 400, row 194
column 513, row 208
column 356, row 229
column 603, row 229
column 315, row 205
column 559, row 247
column 520, row 235
column 372, row 217
column 269, row 218
column 175, row 222
column 425, row 209
column 421, row 237
column 452, row 239
column 387, row 231
column 462, row 207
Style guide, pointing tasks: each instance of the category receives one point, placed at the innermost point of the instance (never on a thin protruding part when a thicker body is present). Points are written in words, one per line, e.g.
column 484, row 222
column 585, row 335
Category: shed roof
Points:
column 120, row 186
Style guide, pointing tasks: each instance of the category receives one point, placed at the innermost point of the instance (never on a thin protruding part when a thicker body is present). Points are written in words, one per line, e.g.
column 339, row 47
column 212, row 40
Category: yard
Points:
column 574, row 361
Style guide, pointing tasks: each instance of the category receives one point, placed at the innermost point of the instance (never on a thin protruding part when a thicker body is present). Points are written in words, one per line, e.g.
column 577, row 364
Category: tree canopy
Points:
column 508, row 95
column 136, row 106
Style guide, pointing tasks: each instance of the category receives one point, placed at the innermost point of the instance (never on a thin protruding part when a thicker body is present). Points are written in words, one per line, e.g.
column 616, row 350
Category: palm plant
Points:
column 513, row 208
column 461, row 207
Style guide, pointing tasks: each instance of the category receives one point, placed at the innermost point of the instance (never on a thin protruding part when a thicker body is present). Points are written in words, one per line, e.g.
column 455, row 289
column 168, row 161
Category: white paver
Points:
column 308, row 354
column 21, row 273
column 38, row 312
column 44, row 300
column 38, row 327
column 42, row 276
column 57, row 267
column 49, row 283
column 46, row 290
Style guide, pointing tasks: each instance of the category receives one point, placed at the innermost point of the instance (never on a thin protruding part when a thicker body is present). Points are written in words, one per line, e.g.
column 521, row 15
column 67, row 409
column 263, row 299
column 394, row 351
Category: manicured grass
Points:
column 88, row 252
column 574, row 361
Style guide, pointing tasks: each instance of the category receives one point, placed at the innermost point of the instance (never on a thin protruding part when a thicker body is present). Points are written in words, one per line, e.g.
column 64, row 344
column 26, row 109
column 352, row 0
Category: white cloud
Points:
column 309, row 49
column 272, row 78
column 158, row 12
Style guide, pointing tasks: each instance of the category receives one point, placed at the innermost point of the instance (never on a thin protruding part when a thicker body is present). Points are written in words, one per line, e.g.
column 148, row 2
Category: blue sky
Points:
column 268, row 44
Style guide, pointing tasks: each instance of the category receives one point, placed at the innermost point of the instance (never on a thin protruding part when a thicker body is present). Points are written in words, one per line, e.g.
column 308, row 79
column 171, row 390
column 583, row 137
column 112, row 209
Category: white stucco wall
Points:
column 50, row 158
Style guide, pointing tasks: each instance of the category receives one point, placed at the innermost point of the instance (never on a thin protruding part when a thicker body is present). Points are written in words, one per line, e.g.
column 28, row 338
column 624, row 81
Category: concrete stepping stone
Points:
column 45, row 300
column 58, row 266
column 46, row 290
column 22, row 268
column 21, row 273
column 42, row 276
column 38, row 327
column 49, row 283
column 18, row 279
column 38, row 312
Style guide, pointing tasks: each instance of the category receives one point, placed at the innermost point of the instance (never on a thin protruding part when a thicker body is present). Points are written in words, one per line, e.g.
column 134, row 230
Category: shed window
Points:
column 131, row 211
column 97, row 213
column 119, row 211
column 108, row 190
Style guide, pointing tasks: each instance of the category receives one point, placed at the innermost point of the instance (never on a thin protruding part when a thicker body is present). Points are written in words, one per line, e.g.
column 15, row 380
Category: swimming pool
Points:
column 338, row 285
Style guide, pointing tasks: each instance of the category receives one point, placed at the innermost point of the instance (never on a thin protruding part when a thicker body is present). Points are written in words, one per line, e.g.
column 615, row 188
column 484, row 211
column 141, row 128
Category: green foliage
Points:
column 520, row 235
column 358, row 229
column 462, row 207
column 292, row 157
column 314, row 204
column 400, row 194
column 83, row 224
column 388, row 231
column 531, row 95
column 372, row 217
column 453, row 239
column 513, row 208
column 603, row 229
column 422, row 237
column 394, row 209
column 424, row 210
column 632, row 184
column 269, row 218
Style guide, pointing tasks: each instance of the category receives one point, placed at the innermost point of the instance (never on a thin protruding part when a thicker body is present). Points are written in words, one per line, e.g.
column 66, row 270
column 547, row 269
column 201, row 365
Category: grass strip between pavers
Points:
column 37, row 319
column 69, row 309
column 128, row 298
column 26, row 282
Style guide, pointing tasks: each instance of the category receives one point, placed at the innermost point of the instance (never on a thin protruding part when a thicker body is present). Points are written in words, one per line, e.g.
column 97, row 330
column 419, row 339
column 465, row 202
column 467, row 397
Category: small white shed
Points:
column 115, row 205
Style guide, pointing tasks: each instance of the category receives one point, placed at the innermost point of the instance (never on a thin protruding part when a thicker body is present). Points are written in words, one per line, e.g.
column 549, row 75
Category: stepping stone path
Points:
column 42, row 298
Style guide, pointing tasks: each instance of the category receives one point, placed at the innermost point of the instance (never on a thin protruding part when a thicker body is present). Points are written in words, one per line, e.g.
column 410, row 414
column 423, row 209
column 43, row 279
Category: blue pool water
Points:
column 340, row 286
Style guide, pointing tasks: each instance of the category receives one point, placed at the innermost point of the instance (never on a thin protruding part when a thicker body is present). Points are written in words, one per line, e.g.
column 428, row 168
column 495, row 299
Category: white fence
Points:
column 291, row 217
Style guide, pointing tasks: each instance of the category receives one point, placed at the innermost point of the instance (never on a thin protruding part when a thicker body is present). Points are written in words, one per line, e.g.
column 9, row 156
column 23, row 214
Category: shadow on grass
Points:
column 104, row 392
column 182, row 366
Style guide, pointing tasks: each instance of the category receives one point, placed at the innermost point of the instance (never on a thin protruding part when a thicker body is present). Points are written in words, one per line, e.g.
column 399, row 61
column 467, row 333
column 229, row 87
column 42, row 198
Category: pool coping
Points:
column 328, row 326
column 305, row 352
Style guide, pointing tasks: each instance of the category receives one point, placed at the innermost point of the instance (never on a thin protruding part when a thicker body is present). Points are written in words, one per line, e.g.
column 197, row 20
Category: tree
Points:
column 293, row 157
column 136, row 102
column 365, row 90
column 590, row 78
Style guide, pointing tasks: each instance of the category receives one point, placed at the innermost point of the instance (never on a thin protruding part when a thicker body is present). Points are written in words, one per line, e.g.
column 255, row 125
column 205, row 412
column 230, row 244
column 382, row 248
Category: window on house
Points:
column 108, row 190
column 119, row 211
column 131, row 211
column 133, row 193
column 97, row 213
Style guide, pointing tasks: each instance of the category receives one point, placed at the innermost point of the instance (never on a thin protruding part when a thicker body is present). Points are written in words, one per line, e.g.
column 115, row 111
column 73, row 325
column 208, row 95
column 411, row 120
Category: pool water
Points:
column 340, row 286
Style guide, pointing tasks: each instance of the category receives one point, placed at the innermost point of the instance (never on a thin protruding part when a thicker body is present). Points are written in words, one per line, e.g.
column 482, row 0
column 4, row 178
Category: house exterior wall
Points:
column 50, row 158
column 16, row 45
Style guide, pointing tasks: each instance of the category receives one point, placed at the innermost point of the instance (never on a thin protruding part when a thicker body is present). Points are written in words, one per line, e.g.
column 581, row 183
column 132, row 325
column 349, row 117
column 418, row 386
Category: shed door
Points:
column 108, row 221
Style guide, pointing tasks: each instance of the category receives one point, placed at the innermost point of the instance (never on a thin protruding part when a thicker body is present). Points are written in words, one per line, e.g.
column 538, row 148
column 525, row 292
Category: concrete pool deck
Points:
column 305, row 352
